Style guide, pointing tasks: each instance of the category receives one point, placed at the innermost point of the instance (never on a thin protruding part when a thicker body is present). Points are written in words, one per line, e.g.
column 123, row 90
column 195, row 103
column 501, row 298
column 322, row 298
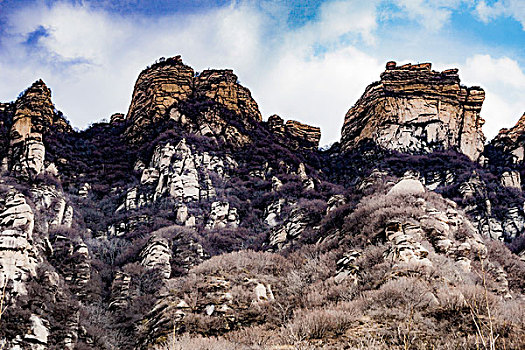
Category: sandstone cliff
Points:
column 295, row 134
column 512, row 141
column 414, row 109
column 161, row 89
column 33, row 116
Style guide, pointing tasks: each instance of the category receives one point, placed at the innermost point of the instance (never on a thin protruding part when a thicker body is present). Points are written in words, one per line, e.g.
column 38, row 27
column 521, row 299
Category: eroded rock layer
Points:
column 414, row 109
column 294, row 133
column 512, row 141
column 162, row 87
column 34, row 115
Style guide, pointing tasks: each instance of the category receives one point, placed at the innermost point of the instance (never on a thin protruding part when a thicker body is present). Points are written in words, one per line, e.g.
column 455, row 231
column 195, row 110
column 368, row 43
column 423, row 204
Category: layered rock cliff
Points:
column 197, row 102
column 512, row 141
column 294, row 133
column 33, row 116
column 414, row 109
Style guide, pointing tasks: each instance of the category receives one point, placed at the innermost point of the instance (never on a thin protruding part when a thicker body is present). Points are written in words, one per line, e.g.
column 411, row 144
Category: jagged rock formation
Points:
column 414, row 109
column 148, row 230
column 511, row 141
column 53, row 202
column 294, row 133
column 120, row 291
column 284, row 235
column 221, row 86
column 161, row 89
column 178, row 172
column 18, row 256
column 511, row 179
column 157, row 255
column 33, row 116
column 222, row 215
column 78, row 273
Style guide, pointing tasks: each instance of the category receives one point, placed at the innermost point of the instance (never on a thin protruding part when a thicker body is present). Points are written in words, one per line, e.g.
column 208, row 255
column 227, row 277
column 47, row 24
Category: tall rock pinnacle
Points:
column 34, row 115
column 414, row 109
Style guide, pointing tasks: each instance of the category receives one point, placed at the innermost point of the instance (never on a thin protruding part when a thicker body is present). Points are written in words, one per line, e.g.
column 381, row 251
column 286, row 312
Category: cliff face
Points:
column 122, row 246
column 512, row 141
column 33, row 116
column 294, row 133
column 414, row 109
column 156, row 90
column 172, row 89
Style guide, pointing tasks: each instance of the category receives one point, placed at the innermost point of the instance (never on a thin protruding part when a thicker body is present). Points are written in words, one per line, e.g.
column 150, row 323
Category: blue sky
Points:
column 305, row 60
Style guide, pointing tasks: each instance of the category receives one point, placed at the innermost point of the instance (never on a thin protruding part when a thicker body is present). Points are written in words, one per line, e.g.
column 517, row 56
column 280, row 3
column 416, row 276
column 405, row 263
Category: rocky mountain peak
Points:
column 165, row 88
column 514, row 132
column 35, row 113
column 222, row 86
column 32, row 116
column 511, row 140
column 414, row 109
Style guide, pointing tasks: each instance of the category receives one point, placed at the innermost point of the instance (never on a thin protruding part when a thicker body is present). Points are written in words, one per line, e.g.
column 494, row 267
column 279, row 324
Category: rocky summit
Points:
column 192, row 222
column 414, row 109
column 171, row 89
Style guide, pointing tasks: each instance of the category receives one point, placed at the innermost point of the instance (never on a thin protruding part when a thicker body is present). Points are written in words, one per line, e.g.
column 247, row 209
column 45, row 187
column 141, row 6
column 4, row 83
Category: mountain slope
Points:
column 190, row 218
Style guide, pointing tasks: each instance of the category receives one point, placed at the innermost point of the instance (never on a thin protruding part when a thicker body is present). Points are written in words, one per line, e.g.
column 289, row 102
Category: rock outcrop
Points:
column 414, row 109
column 34, row 115
column 178, row 172
column 77, row 271
column 512, row 141
column 157, row 255
column 18, row 256
column 162, row 88
column 54, row 203
column 295, row 134
column 120, row 291
column 222, row 215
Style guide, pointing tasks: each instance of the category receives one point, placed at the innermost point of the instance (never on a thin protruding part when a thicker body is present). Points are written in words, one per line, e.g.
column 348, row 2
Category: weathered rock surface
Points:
column 283, row 235
column 157, row 255
column 512, row 141
column 294, row 133
column 161, row 88
column 346, row 267
column 77, row 273
column 120, row 291
column 53, row 202
column 27, row 156
column 221, row 86
column 407, row 186
column 414, row 109
column 178, row 172
column 18, row 257
column 34, row 115
column 511, row 179
column 222, row 215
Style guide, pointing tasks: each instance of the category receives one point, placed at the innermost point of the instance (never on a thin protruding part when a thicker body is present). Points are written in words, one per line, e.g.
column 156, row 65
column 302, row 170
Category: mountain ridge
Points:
column 192, row 223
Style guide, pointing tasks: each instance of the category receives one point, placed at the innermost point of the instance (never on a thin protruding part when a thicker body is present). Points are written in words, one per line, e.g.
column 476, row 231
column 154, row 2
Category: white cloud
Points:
column 341, row 17
column 507, row 8
column 318, row 90
column 431, row 14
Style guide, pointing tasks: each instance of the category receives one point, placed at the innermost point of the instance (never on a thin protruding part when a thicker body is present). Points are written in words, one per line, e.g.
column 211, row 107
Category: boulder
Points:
column 407, row 186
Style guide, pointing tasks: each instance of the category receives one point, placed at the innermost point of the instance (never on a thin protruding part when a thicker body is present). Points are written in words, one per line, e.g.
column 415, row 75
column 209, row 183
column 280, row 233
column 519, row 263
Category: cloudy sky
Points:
column 306, row 60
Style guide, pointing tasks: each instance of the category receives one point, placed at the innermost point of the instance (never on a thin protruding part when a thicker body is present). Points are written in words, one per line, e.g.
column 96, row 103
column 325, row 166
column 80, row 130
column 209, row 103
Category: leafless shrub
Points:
column 320, row 323
column 187, row 342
